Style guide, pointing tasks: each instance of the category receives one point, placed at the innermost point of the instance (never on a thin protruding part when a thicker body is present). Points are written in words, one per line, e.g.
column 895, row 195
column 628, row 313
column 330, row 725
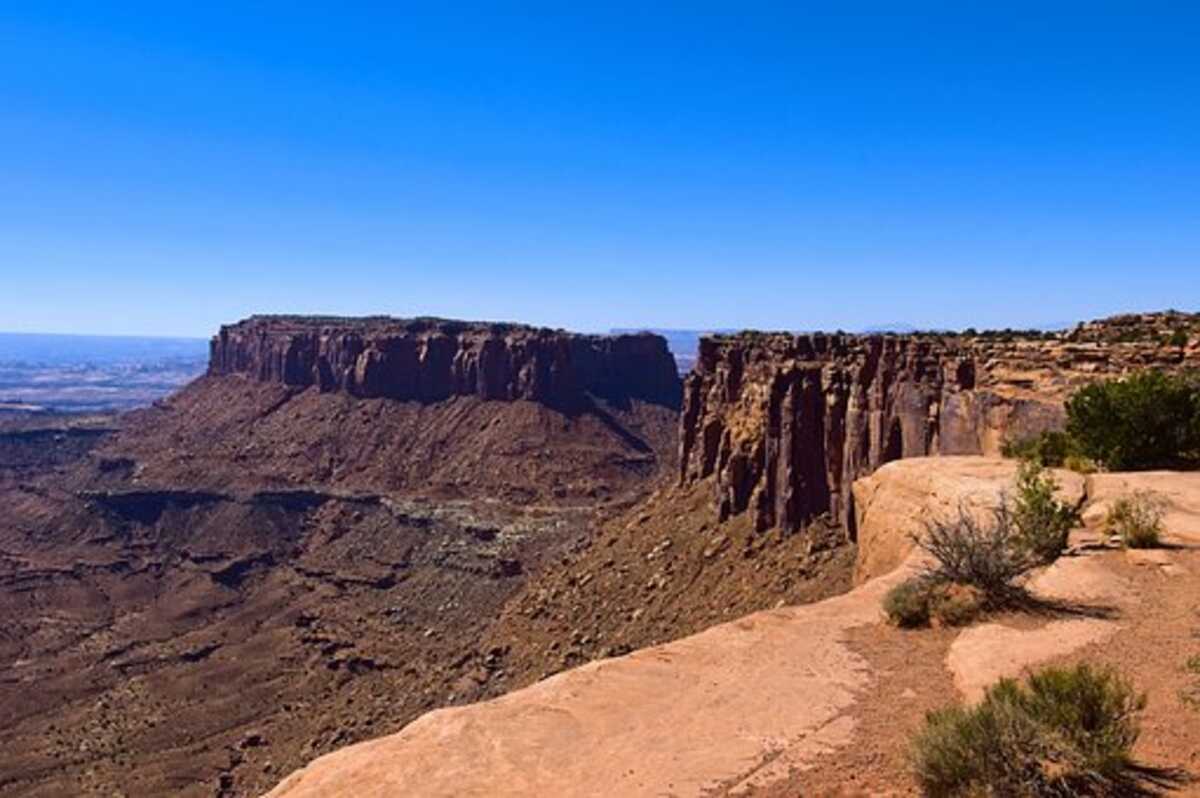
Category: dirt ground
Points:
column 911, row 678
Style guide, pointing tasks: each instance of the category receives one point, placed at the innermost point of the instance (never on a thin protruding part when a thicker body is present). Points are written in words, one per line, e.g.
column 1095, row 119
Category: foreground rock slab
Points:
column 741, row 705
column 893, row 504
column 674, row 719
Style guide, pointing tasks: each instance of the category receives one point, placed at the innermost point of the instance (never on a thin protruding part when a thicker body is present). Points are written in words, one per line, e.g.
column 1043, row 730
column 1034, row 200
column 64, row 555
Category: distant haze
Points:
column 94, row 373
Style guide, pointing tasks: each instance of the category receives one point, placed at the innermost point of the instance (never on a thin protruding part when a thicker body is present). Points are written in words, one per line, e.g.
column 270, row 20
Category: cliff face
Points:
column 786, row 423
column 428, row 360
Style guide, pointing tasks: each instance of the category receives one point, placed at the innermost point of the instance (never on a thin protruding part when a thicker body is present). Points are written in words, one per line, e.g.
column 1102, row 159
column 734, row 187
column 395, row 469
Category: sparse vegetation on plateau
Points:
column 1146, row 420
column 1043, row 522
column 920, row 601
column 990, row 553
column 1137, row 520
column 1069, row 731
column 907, row 604
column 1050, row 449
column 979, row 549
column 979, row 556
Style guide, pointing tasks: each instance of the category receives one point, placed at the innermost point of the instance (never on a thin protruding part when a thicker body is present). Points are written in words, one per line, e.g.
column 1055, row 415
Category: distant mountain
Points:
column 897, row 327
column 94, row 372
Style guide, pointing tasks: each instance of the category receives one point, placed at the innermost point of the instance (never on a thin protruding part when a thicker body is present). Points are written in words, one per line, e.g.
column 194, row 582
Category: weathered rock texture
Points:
column 780, row 693
column 786, row 422
column 892, row 505
column 429, row 360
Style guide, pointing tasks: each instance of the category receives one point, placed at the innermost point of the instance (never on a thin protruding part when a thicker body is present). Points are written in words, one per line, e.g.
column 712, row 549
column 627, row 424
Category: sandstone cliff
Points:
column 785, row 423
column 428, row 360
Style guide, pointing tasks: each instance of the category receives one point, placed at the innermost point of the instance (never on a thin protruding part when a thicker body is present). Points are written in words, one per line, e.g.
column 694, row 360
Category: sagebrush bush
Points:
column 907, row 604
column 977, row 557
column 1146, row 420
column 921, row 601
column 1068, row 732
column 955, row 605
column 1043, row 522
column 1137, row 519
column 983, row 551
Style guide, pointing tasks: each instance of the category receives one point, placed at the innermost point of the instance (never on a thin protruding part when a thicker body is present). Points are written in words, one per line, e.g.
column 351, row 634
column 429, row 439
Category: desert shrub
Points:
column 1050, row 448
column 907, row 604
column 1178, row 338
column 977, row 557
column 1043, row 522
column 1137, row 519
column 1080, row 464
column 1146, row 420
column 1068, row 732
column 981, row 550
column 1189, row 694
column 955, row 605
column 921, row 600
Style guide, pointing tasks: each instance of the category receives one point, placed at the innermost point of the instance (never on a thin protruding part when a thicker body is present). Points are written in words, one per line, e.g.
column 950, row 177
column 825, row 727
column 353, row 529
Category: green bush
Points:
column 907, row 604
column 977, row 557
column 1050, row 448
column 1178, row 338
column 985, row 553
column 1146, row 420
column 1080, row 464
column 921, row 601
column 1043, row 523
column 955, row 605
column 1068, row 732
column 1137, row 520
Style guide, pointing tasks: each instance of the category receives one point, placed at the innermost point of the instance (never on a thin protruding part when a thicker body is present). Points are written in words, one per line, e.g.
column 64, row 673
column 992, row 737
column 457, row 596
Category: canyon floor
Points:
column 820, row 699
column 205, row 595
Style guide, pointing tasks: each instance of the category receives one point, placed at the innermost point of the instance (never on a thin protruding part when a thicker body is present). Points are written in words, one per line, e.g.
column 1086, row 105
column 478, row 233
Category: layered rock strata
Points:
column 785, row 423
column 428, row 360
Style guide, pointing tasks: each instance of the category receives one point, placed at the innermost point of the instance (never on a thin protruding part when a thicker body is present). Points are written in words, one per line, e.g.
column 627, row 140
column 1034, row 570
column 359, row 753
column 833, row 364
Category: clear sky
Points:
column 165, row 167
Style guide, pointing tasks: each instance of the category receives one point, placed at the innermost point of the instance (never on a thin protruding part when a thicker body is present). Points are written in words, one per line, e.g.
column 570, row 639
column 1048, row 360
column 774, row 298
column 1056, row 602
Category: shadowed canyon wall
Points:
column 785, row 423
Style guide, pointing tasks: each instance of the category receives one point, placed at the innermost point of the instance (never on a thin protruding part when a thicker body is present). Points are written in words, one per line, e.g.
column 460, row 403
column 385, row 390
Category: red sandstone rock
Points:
column 786, row 422
column 428, row 360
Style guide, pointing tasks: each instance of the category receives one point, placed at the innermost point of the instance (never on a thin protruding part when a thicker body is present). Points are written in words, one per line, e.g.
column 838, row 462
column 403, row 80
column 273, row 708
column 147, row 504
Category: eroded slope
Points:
column 256, row 571
column 793, row 700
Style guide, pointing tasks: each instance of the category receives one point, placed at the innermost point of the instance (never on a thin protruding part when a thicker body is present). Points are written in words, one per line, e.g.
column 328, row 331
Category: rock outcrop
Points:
column 428, row 360
column 892, row 505
column 778, row 693
column 785, row 423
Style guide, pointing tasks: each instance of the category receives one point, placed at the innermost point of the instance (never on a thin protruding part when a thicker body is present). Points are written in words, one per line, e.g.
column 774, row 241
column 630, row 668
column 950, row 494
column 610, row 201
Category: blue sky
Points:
column 589, row 166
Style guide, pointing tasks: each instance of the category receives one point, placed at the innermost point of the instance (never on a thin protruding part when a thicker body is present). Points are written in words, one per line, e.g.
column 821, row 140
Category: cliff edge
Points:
column 785, row 423
column 812, row 699
column 428, row 360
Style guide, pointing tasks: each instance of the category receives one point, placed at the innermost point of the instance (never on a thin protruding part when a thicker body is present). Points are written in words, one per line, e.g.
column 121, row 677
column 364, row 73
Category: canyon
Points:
column 816, row 699
column 348, row 523
column 783, row 424
column 205, row 593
